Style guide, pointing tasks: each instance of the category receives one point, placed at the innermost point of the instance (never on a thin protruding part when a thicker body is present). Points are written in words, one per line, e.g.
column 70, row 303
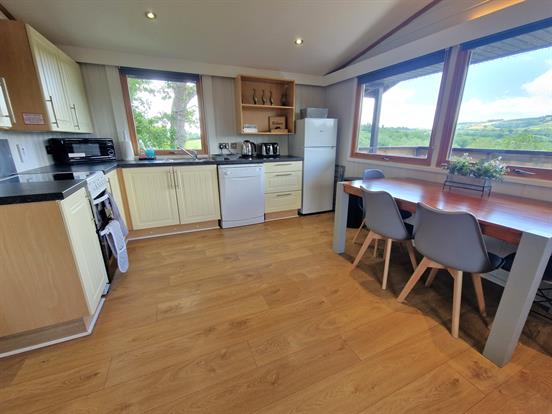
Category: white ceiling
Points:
column 247, row 33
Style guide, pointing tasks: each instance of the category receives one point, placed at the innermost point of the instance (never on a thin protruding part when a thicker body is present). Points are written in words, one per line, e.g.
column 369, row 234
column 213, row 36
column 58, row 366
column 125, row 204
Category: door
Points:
column 76, row 95
column 85, row 245
column 320, row 132
column 48, row 65
column 115, row 189
column 151, row 194
column 197, row 193
column 318, row 179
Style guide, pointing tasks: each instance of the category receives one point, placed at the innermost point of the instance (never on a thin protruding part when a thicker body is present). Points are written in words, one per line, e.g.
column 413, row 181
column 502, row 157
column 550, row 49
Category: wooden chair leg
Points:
column 387, row 257
column 375, row 253
column 411, row 254
column 456, row 302
column 363, row 249
column 414, row 279
column 431, row 277
column 478, row 287
column 358, row 231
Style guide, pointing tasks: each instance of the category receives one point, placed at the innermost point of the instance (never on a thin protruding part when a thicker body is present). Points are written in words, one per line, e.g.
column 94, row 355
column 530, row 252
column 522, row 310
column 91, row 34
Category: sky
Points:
column 518, row 86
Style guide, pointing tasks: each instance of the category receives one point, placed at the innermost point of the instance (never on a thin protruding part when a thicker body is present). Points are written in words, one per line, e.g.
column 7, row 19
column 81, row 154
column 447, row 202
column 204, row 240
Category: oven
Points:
column 81, row 150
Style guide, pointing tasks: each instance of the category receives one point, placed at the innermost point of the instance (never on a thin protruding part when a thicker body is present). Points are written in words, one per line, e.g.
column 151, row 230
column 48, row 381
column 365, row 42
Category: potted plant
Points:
column 464, row 172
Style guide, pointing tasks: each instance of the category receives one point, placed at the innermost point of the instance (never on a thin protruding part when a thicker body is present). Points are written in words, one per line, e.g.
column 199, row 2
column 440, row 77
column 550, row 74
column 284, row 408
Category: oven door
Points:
column 103, row 214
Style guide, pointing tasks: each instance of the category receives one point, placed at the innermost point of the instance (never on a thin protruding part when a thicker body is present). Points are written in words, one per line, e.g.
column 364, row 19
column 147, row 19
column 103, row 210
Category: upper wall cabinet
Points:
column 43, row 84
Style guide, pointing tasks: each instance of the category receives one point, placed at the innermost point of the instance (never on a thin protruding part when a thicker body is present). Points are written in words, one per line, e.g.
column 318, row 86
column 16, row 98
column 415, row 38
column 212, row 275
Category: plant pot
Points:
column 482, row 185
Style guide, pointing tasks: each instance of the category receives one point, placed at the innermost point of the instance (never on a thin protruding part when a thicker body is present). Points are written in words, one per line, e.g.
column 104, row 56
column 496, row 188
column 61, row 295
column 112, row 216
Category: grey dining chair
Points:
column 368, row 174
column 452, row 241
column 385, row 222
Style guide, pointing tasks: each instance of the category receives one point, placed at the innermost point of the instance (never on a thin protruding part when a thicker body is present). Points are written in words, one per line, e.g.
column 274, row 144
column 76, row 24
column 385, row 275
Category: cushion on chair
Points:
column 405, row 214
column 509, row 261
column 496, row 261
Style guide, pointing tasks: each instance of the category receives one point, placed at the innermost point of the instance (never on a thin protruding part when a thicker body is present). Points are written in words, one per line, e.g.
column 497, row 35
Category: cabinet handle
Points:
column 283, row 175
column 284, row 195
column 53, row 111
column 74, row 108
column 8, row 101
column 282, row 164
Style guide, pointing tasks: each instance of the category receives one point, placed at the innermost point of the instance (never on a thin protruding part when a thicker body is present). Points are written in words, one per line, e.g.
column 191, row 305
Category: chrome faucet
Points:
column 191, row 153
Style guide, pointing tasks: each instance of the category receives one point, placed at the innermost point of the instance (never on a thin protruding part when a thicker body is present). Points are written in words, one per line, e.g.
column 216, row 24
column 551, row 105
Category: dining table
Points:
column 524, row 222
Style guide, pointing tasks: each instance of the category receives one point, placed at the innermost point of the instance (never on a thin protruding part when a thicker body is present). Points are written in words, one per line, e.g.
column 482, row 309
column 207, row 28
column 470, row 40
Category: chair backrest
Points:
column 452, row 239
column 382, row 215
column 372, row 173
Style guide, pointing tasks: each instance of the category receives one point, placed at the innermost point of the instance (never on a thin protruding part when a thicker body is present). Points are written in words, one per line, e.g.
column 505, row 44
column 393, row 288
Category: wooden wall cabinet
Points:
column 165, row 196
column 52, row 268
column 43, row 84
column 247, row 112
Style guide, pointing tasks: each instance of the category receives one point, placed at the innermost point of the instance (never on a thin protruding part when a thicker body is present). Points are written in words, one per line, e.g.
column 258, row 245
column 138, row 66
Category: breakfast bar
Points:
column 525, row 222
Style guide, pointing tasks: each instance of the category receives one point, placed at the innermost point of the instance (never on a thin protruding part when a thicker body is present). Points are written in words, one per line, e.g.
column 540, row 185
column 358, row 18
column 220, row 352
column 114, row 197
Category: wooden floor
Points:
column 267, row 319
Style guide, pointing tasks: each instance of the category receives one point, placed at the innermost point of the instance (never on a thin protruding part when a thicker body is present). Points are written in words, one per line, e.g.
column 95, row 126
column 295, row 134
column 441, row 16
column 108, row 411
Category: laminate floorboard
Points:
column 267, row 319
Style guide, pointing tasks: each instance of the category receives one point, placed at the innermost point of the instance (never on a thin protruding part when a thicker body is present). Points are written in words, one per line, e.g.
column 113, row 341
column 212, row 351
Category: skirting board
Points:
column 170, row 230
column 87, row 326
column 279, row 215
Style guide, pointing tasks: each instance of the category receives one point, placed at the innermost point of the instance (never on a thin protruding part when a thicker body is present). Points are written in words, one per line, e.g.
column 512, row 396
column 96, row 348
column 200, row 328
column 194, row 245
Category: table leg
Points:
column 340, row 218
column 525, row 277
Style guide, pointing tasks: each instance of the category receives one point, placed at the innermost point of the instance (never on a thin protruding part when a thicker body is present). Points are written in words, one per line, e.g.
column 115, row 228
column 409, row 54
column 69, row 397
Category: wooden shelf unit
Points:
column 249, row 113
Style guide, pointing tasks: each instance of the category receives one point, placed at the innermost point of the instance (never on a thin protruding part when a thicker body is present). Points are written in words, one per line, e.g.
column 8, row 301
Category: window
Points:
column 506, row 108
column 396, row 111
column 164, row 110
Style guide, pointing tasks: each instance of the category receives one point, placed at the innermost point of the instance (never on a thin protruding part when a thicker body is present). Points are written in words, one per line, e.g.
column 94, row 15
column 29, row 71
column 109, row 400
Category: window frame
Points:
column 130, row 116
column 458, row 80
column 377, row 107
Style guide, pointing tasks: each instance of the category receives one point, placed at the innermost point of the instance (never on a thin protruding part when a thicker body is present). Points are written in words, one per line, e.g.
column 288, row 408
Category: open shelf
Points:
column 247, row 112
column 253, row 106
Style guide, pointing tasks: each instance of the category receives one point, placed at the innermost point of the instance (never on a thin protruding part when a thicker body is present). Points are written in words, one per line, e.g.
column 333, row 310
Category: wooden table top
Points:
column 501, row 216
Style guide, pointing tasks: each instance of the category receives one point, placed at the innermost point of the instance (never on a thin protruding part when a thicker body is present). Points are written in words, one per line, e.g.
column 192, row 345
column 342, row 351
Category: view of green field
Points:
column 532, row 134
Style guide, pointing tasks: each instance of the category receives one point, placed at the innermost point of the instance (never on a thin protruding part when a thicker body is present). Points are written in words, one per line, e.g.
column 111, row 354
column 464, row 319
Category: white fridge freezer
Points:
column 315, row 140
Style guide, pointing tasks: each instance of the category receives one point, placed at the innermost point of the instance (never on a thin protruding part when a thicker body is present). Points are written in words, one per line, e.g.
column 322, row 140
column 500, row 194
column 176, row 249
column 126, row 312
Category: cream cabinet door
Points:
column 80, row 227
column 76, row 95
column 197, row 192
column 151, row 196
column 115, row 189
column 48, row 65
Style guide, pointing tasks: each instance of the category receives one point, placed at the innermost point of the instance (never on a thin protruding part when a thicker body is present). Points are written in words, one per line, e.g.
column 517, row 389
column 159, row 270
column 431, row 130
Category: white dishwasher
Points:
column 241, row 194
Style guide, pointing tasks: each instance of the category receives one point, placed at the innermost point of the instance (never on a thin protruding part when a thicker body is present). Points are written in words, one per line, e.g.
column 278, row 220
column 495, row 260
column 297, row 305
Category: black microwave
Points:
column 80, row 150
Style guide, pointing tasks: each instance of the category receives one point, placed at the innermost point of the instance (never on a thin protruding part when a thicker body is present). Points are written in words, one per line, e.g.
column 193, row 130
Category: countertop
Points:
column 13, row 193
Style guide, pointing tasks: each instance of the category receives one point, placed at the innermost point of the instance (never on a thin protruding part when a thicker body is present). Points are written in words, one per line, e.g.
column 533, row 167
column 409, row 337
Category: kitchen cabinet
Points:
column 76, row 95
column 197, row 193
column 115, row 190
column 283, row 188
column 80, row 227
column 53, row 272
column 168, row 196
column 21, row 85
column 44, row 85
column 6, row 112
column 151, row 195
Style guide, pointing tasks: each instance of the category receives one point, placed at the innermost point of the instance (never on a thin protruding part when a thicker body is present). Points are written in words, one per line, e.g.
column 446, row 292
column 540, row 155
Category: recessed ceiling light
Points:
column 298, row 41
column 151, row 15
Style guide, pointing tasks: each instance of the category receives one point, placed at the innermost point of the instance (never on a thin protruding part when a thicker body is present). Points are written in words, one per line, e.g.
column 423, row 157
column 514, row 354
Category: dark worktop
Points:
column 207, row 161
column 14, row 192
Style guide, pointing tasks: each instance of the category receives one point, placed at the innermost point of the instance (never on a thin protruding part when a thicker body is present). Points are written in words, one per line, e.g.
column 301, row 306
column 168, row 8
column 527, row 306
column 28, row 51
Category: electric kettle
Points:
column 249, row 149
